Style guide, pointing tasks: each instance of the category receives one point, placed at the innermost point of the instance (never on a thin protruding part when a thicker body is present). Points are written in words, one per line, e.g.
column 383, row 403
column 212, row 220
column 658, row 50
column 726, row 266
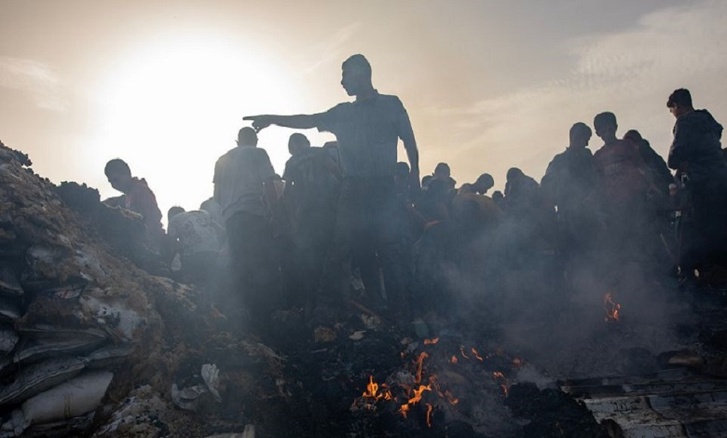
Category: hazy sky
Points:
column 488, row 84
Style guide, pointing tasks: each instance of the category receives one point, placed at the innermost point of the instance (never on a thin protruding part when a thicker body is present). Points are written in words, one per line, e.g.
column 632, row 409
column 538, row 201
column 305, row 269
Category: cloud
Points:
column 42, row 84
column 630, row 72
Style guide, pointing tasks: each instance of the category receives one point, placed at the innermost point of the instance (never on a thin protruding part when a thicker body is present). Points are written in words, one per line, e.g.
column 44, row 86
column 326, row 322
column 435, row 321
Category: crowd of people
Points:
column 347, row 214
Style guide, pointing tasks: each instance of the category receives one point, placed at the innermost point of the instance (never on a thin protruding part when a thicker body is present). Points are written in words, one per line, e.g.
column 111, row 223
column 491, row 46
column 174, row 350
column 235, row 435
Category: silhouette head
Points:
column 298, row 143
column 442, row 170
column 606, row 126
column 634, row 136
column 426, row 180
column 680, row 102
column 483, row 183
column 580, row 135
column 514, row 173
column 174, row 211
column 119, row 174
column 247, row 137
column 466, row 188
column 356, row 75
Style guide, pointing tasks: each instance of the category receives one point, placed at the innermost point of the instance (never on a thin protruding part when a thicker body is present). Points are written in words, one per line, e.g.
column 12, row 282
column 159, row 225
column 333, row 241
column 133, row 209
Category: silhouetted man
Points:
column 623, row 185
column 244, row 188
column 660, row 174
column 444, row 173
column 483, row 183
column 568, row 184
column 312, row 188
column 571, row 175
column 697, row 156
column 367, row 131
column 137, row 197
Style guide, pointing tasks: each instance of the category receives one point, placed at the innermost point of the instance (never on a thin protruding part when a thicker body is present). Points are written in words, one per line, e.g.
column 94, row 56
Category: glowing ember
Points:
column 477, row 355
column 404, row 410
column 461, row 350
column 451, row 398
column 504, row 382
column 418, row 394
column 613, row 308
column 372, row 391
column 454, row 359
column 431, row 341
column 420, row 365
column 429, row 415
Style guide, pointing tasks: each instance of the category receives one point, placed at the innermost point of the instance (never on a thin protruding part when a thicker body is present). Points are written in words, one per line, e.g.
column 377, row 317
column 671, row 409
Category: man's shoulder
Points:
column 227, row 155
column 390, row 99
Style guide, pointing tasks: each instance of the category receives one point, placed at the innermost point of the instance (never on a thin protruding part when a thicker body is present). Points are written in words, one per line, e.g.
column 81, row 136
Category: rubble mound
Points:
column 92, row 344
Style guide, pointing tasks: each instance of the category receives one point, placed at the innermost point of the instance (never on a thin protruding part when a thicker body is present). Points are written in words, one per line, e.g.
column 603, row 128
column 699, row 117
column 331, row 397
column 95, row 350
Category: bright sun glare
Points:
column 171, row 109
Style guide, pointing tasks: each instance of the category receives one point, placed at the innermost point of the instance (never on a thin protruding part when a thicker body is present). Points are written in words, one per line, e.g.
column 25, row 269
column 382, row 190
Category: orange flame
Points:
column 429, row 415
column 418, row 394
column 372, row 391
column 404, row 410
column 613, row 308
column 431, row 341
column 420, row 364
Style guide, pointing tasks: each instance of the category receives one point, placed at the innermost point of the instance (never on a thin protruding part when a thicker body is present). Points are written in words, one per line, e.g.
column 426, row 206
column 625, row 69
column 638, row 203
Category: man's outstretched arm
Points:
column 299, row 121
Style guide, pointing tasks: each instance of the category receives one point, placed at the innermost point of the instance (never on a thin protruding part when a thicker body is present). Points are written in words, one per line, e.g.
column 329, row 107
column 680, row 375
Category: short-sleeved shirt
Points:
column 239, row 176
column 368, row 132
column 196, row 232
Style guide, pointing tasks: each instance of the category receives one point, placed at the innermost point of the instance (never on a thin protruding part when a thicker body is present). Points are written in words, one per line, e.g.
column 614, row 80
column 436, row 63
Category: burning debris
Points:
column 142, row 355
column 613, row 309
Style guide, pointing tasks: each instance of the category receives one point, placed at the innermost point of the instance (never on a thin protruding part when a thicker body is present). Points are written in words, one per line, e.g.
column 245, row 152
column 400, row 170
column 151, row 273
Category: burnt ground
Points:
column 489, row 359
column 494, row 376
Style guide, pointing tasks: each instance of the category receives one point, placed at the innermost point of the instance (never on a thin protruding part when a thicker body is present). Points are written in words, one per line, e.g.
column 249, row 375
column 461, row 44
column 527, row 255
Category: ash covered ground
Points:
column 98, row 341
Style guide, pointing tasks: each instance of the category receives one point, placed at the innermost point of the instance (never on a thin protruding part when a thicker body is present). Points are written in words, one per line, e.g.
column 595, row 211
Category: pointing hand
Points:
column 259, row 122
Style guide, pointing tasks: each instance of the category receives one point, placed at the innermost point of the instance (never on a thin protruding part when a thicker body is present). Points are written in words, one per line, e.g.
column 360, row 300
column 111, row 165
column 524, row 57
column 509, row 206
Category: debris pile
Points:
column 87, row 337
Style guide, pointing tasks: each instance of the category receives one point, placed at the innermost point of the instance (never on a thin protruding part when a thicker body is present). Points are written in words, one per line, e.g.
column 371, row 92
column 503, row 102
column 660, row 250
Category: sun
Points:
column 171, row 108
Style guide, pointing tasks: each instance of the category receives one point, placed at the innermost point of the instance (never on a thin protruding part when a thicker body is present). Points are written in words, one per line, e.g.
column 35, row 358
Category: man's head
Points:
column 484, row 183
column 634, row 136
column 442, row 171
column 247, row 137
column 356, row 75
column 174, row 211
column 606, row 126
column 514, row 174
column 580, row 135
column 298, row 143
column 119, row 174
column 680, row 102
